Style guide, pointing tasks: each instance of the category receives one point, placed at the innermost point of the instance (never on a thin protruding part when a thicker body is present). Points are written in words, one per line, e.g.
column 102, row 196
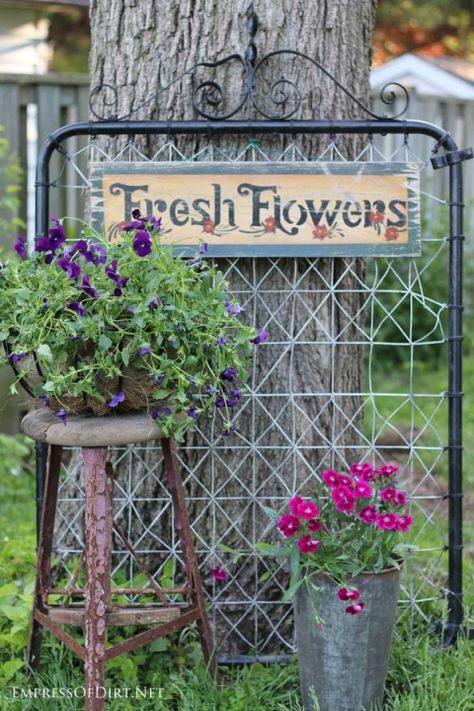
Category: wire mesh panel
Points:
column 311, row 409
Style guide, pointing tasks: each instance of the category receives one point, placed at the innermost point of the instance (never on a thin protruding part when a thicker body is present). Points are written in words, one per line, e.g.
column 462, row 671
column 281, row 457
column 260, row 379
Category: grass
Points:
column 423, row 676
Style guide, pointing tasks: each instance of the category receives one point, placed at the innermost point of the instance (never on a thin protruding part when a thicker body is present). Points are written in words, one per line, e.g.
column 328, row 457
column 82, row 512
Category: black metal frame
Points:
column 216, row 125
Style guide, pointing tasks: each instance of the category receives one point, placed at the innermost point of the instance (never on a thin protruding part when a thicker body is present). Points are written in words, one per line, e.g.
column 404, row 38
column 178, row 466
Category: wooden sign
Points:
column 267, row 209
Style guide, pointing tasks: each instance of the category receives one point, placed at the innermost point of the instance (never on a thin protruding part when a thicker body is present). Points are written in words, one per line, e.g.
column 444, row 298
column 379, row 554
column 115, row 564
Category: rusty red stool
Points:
column 97, row 611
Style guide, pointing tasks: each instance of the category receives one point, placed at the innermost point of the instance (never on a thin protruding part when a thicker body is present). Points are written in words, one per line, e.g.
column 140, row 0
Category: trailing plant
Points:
column 124, row 326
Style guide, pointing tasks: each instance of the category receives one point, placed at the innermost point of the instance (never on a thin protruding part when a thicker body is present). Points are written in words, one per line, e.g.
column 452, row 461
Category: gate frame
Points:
column 225, row 124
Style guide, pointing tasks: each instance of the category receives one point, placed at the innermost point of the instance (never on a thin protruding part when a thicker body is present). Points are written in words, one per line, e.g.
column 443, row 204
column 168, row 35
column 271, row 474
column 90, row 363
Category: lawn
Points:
column 423, row 676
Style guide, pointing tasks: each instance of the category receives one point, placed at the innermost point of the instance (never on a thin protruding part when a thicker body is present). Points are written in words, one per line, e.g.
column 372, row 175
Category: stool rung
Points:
column 117, row 617
column 79, row 592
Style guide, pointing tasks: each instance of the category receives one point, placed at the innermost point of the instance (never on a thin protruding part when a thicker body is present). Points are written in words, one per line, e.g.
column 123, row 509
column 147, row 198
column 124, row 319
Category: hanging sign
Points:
column 266, row 209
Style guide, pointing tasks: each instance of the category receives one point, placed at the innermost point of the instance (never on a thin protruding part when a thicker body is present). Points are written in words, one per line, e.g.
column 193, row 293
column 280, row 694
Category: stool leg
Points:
column 175, row 483
column 45, row 547
column 98, row 552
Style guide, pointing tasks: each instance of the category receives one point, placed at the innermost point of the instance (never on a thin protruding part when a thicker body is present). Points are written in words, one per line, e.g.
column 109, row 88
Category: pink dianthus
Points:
column 387, row 470
column 355, row 608
column 306, row 544
column 307, row 510
column 347, row 594
column 288, row 525
column 386, row 521
column 330, row 477
column 362, row 490
column 343, row 498
column 404, row 523
column 368, row 514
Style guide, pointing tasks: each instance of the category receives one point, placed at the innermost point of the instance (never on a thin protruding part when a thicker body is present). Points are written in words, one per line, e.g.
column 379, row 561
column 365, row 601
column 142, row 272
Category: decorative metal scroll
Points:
column 208, row 96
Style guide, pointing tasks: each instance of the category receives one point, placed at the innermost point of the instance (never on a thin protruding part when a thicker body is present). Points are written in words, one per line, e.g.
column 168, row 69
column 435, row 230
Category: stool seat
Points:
column 88, row 430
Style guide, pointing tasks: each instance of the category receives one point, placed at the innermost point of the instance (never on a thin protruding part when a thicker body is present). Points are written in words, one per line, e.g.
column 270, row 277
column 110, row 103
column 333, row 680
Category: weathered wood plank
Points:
column 117, row 617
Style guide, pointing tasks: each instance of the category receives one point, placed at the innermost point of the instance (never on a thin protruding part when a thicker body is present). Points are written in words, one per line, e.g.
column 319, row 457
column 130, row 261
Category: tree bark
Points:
column 140, row 47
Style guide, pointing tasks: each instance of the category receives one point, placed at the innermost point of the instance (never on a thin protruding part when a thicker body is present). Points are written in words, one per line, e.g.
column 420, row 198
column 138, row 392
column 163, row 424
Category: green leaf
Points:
column 104, row 343
column 10, row 668
column 45, row 352
column 159, row 645
column 48, row 386
column 271, row 513
column 291, row 591
column 4, row 335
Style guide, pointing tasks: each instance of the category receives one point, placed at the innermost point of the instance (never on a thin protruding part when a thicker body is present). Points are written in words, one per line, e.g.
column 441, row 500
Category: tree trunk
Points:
column 290, row 426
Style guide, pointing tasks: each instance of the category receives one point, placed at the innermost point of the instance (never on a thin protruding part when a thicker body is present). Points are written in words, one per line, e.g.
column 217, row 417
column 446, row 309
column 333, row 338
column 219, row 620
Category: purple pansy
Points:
column 154, row 303
column 56, row 234
column 44, row 399
column 236, row 394
column 117, row 399
column 72, row 269
column 160, row 412
column 13, row 358
column 222, row 340
column 80, row 246
column 261, row 337
column 229, row 374
column 145, row 349
column 20, row 246
column 158, row 378
column 233, row 309
column 193, row 413
column 87, row 288
column 197, row 261
column 142, row 243
column 203, row 248
column 43, row 244
column 77, row 307
column 96, row 254
column 62, row 415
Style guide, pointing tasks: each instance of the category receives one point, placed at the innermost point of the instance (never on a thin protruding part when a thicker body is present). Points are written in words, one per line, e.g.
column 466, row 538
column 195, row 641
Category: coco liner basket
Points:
column 97, row 328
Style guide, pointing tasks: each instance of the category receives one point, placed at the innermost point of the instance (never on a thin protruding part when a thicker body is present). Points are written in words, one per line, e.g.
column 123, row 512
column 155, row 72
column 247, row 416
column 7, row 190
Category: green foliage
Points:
column 150, row 331
column 11, row 176
column 422, row 675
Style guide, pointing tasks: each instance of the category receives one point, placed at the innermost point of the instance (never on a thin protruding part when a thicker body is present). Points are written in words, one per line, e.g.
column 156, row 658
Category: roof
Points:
column 443, row 77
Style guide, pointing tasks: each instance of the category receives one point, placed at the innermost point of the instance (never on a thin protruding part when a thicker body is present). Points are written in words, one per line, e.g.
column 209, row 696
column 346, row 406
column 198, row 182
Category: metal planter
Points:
column 343, row 663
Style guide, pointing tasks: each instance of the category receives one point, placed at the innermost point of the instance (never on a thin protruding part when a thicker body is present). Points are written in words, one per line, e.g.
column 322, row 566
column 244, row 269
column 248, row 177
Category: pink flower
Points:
column 362, row 471
column 346, row 594
column 343, row 498
column 355, row 608
column 386, row 521
column 306, row 544
column 314, row 525
column 219, row 573
column 388, row 494
column 307, row 510
column 401, row 498
column 387, row 470
column 404, row 523
column 288, row 525
column 330, row 477
column 293, row 504
column 346, row 480
column 368, row 514
column 362, row 490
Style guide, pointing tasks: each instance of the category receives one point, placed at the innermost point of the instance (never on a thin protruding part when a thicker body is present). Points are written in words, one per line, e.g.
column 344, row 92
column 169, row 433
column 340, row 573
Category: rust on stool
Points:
column 94, row 435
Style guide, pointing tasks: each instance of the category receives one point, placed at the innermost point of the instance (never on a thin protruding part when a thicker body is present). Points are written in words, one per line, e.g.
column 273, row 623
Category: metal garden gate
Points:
column 394, row 292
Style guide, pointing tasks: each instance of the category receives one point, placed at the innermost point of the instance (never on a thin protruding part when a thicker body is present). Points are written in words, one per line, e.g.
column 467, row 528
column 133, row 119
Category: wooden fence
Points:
column 31, row 107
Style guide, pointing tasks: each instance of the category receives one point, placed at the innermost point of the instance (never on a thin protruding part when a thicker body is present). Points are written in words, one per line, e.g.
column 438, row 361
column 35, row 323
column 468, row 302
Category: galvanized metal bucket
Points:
column 343, row 663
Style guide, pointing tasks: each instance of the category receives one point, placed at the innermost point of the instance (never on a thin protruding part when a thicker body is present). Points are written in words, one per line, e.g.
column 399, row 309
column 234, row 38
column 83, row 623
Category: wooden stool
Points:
column 94, row 435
